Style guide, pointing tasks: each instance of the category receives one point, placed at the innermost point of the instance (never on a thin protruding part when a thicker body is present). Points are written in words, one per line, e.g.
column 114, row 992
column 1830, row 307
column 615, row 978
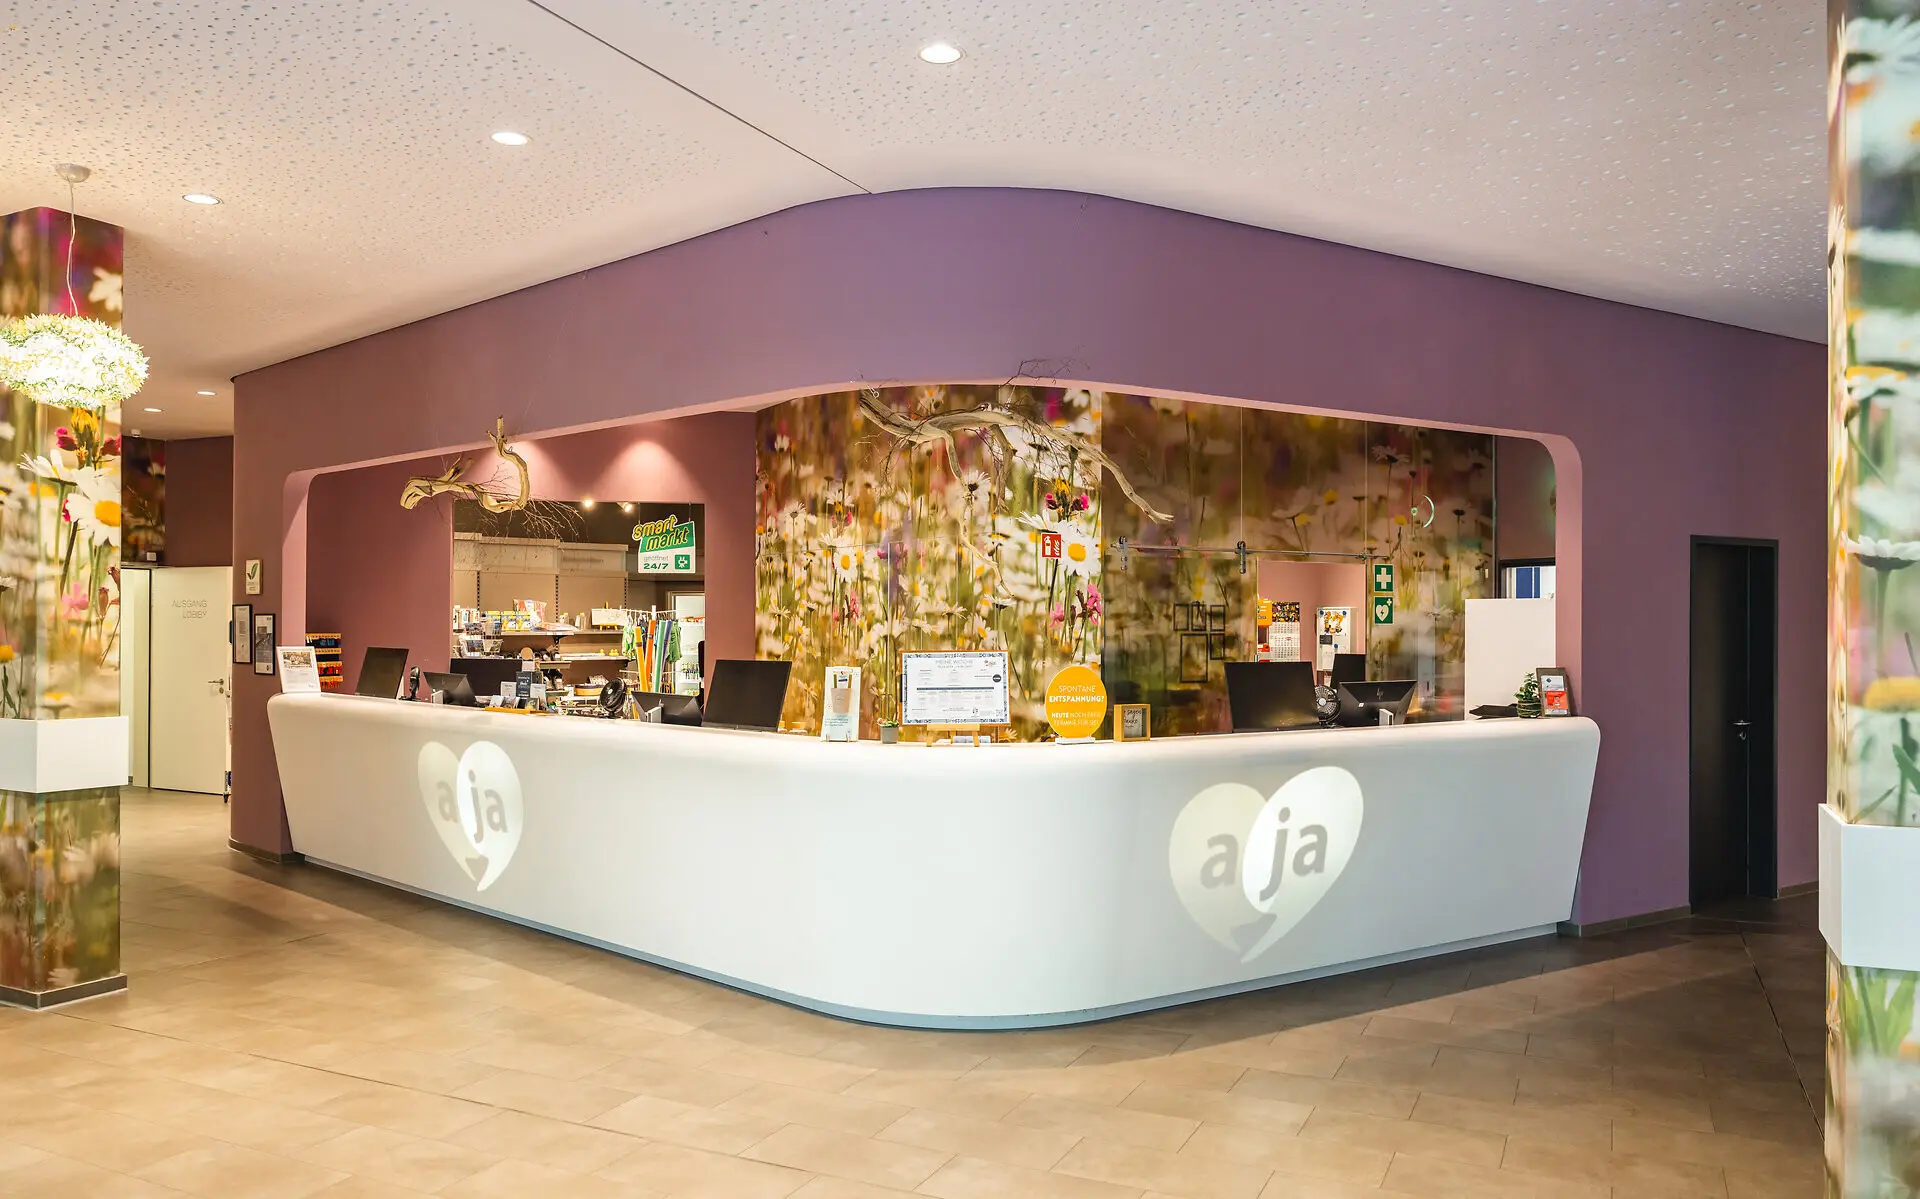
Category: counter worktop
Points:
column 955, row 886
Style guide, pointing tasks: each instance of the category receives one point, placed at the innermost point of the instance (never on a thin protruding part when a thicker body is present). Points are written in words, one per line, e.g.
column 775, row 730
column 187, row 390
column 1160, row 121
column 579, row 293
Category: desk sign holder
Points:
column 1076, row 704
column 841, row 720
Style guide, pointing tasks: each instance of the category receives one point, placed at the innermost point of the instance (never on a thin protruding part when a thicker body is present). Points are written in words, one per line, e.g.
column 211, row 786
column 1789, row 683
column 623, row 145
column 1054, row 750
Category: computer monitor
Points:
column 1349, row 668
column 455, row 688
column 1270, row 695
column 381, row 672
column 1362, row 703
column 662, row 708
column 486, row 674
column 747, row 694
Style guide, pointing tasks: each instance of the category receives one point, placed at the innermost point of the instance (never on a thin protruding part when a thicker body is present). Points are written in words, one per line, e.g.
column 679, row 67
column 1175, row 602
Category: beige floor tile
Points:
column 1333, row 1161
column 795, row 1070
column 1433, row 1178
column 1406, row 1136
column 959, row 1097
column 1178, row 1069
column 862, row 1159
column 990, row 1140
column 676, row 1170
column 414, row 1112
column 1434, row 1033
column 972, row 1178
column 572, row 1062
column 563, row 1146
column 416, row 1071
column 824, row 1187
column 1341, row 1095
column 259, row 1124
column 1626, row 1174
column 523, row 1180
column 686, row 1124
column 367, row 1188
column 54, row 1177
column 1640, row 1138
column 109, row 1140
column 1293, row 1186
column 1562, row 1127
column 554, row 1097
column 395, row 1157
column 222, row 1171
column 1192, row 1175
column 1222, row 1108
column 1128, row 1126
column 685, row 1084
column 797, row 1105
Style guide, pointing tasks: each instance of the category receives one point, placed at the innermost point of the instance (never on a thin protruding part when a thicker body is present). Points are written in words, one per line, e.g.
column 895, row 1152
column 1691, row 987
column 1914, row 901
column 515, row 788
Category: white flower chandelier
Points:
column 70, row 361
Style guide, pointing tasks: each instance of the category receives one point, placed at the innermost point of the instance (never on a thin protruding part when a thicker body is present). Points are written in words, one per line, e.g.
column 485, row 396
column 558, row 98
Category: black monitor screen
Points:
column 381, row 671
column 673, row 709
column 486, row 674
column 1349, row 668
column 1270, row 695
column 454, row 687
column 747, row 694
column 1362, row 703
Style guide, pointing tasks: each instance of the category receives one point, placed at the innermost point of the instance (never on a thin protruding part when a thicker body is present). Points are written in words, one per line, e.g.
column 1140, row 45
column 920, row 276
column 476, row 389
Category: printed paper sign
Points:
column 299, row 672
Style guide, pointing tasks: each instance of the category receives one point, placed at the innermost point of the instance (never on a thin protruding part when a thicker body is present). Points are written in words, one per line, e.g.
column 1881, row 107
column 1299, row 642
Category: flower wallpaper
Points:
column 59, row 888
column 901, row 520
column 60, row 503
column 1873, row 731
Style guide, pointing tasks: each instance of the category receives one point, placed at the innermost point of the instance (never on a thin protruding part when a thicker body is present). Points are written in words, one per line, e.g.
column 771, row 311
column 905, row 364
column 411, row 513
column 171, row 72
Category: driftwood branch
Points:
column 992, row 423
column 452, row 482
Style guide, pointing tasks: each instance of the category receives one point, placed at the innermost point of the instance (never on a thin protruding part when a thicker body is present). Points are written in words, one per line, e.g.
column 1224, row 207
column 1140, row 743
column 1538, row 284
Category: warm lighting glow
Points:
column 587, row 504
column 203, row 393
column 149, row 410
column 70, row 361
column 201, row 198
column 508, row 137
column 940, row 54
column 627, row 508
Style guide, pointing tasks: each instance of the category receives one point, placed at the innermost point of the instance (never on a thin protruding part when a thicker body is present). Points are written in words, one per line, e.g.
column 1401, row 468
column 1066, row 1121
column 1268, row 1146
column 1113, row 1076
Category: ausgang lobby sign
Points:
column 664, row 547
column 1249, row 867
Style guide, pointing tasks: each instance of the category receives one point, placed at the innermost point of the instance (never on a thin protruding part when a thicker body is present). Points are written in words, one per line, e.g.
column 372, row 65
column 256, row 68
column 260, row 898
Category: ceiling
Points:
column 1668, row 153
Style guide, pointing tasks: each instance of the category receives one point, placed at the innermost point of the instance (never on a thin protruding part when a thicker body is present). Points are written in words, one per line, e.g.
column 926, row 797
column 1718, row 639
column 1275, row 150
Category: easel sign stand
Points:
column 962, row 734
column 1076, row 705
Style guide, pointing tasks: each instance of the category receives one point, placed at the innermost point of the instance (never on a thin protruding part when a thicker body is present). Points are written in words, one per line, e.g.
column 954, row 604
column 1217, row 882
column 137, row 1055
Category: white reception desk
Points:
column 1003, row 886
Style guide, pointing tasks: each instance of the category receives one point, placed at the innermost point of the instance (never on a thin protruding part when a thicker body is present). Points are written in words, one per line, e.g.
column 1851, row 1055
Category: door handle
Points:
column 1743, row 724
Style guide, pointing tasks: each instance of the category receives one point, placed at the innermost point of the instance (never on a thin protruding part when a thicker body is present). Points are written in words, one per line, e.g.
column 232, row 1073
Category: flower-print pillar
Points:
column 63, row 742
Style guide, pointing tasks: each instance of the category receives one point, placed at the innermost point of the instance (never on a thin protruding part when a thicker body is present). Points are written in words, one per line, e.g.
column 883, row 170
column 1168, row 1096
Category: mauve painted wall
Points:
column 1522, row 496
column 200, row 502
column 1660, row 426
column 381, row 575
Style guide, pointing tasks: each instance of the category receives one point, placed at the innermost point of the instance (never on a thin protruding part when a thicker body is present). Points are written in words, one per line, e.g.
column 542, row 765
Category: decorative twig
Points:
column 451, row 482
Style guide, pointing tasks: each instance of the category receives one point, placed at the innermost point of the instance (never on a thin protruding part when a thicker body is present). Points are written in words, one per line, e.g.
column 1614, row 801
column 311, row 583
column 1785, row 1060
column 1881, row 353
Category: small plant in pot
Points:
column 1526, row 701
column 889, row 732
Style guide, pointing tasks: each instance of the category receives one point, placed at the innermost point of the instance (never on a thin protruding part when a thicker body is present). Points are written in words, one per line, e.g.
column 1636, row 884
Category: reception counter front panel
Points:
column 1016, row 885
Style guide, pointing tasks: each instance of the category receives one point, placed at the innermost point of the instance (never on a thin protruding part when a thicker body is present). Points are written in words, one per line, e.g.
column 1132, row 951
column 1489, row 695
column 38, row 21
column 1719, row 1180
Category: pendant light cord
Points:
column 73, row 235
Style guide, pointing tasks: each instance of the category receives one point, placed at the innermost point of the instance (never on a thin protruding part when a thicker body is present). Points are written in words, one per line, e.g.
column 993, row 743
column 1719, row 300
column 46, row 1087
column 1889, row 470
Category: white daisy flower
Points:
column 1079, row 553
column 94, row 506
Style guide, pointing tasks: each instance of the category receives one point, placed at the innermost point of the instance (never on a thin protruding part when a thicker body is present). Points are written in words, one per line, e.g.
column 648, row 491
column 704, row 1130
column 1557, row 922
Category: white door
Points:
column 136, row 611
column 189, row 678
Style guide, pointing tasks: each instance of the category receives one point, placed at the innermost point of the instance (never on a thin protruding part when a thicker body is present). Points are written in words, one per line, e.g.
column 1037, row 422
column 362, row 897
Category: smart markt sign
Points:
column 664, row 547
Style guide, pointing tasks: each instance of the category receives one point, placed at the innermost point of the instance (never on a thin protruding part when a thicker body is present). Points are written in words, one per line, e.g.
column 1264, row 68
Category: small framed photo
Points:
column 240, row 633
column 1132, row 722
column 1193, row 657
column 1556, row 691
column 1217, row 618
column 263, row 643
column 1198, row 620
column 1216, row 647
column 1181, row 623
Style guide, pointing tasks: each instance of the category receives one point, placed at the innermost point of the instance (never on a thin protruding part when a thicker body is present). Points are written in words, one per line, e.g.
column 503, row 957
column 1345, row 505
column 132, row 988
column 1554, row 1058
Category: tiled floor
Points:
column 291, row 1032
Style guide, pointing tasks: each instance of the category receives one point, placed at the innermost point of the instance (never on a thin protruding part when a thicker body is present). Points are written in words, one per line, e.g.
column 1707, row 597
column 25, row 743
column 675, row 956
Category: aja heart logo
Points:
column 475, row 805
column 1249, row 868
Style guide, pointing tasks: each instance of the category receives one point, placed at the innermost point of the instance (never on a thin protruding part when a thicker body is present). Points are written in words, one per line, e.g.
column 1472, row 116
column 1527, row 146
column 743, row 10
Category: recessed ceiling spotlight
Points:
column 627, row 508
column 941, row 54
column 203, row 393
column 201, row 198
column 508, row 137
column 135, row 432
column 149, row 410
column 587, row 504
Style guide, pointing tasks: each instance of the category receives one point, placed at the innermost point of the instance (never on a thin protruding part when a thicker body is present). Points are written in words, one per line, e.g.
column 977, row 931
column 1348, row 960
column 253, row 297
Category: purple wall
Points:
column 381, row 575
column 1660, row 426
column 200, row 502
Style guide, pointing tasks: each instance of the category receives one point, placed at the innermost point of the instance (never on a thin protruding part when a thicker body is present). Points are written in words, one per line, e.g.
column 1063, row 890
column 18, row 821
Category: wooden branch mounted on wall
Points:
column 992, row 423
column 453, row 483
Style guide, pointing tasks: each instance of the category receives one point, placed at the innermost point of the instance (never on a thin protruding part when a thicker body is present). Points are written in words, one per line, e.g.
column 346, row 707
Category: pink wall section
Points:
column 1316, row 585
column 379, row 574
column 1660, row 426
column 1523, row 499
column 200, row 502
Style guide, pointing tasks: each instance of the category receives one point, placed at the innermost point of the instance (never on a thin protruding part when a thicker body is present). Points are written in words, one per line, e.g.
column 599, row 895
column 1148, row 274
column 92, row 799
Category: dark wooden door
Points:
column 1733, row 625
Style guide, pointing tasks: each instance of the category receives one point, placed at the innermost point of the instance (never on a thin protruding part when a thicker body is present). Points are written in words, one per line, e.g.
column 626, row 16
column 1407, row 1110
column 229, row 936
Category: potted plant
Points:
column 889, row 732
column 1526, row 701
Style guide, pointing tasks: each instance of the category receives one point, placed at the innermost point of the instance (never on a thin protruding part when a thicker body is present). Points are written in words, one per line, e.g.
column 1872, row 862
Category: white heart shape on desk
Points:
column 1249, row 870
column 476, row 807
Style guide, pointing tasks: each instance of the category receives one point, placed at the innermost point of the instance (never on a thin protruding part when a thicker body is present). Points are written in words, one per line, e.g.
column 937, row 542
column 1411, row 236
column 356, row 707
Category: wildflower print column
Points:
column 63, row 742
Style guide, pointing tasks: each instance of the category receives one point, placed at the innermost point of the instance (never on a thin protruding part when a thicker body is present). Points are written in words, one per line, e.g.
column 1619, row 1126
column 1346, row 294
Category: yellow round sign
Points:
column 1076, row 702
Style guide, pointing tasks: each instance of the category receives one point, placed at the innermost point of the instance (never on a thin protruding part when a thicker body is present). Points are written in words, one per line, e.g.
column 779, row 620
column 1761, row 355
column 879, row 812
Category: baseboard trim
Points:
column 1568, row 928
column 39, row 1000
column 1799, row 889
column 266, row 856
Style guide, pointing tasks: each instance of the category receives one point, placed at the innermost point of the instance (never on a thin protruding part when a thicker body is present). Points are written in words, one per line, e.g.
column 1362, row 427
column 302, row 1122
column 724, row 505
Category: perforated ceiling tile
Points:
column 1662, row 152
column 1670, row 150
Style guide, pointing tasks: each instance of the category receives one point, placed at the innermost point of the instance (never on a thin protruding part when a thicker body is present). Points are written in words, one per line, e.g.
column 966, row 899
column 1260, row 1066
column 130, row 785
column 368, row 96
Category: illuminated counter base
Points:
column 1018, row 885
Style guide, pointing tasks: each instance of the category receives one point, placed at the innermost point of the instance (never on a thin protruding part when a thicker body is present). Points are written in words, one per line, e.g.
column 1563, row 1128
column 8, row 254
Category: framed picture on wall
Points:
column 1556, row 691
column 240, row 634
column 1216, row 647
column 1193, row 657
column 1217, row 618
column 1180, row 621
column 263, row 647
